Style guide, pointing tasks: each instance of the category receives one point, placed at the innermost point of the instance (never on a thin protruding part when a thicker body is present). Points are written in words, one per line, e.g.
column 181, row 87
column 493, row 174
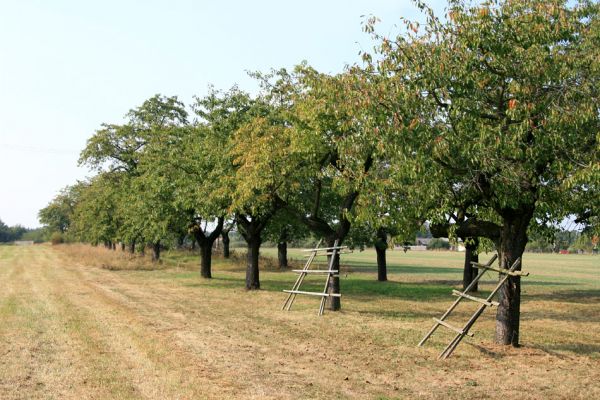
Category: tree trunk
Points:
column 156, row 251
column 114, row 246
column 252, row 275
column 225, row 237
column 180, row 241
column 334, row 303
column 282, row 254
column 380, row 248
column 206, row 260
column 251, row 228
column 512, row 244
column 471, row 255
column 205, row 242
column 132, row 247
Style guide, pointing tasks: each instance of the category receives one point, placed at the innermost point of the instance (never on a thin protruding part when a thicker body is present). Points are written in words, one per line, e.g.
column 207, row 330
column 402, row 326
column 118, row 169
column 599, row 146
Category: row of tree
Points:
column 18, row 232
column 572, row 241
column 11, row 233
column 485, row 123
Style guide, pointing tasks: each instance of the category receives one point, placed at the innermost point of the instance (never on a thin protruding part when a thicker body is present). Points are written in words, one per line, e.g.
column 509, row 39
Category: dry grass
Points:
column 117, row 260
column 71, row 329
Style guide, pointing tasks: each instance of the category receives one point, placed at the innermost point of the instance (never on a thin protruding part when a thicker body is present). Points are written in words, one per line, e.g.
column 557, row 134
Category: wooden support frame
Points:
column 477, row 299
column 456, row 302
column 314, row 293
column 500, row 270
column 292, row 296
column 317, row 249
column 488, row 302
column 330, row 273
column 329, row 253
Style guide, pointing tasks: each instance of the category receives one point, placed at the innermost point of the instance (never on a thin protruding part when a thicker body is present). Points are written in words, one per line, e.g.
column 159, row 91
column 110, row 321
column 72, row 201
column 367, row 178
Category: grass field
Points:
column 78, row 322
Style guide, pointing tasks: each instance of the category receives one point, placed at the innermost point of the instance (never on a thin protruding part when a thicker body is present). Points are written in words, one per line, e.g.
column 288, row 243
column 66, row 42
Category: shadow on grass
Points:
column 555, row 350
column 401, row 314
column 485, row 351
column 569, row 296
column 134, row 267
column 394, row 269
column 570, row 316
column 406, row 291
column 587, row 349
column 367, row 290
column 545, row 283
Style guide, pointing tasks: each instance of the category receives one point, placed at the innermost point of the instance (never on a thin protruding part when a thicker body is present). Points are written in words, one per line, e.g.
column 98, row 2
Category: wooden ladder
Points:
column 488, row 302
column 302, row 273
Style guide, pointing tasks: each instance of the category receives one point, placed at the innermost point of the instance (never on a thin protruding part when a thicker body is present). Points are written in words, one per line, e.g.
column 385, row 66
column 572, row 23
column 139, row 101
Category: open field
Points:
column 76, row 322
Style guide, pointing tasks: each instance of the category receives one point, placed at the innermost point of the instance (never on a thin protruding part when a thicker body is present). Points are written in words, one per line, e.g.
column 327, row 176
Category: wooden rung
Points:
column 477, row 299
column 315, row 271
column 314, row 293
column 501, row 270
column 328, row 254
column 326, row 248
column 455, row 329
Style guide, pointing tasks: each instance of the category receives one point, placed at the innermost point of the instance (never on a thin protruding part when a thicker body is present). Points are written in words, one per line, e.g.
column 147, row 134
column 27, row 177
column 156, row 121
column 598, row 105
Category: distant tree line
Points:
column 572, row 241
column 484, row 123
column 12, row 233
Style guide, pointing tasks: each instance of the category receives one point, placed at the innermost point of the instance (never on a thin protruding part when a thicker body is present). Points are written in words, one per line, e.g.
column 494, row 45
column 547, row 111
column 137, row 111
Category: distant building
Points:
column 421, row 241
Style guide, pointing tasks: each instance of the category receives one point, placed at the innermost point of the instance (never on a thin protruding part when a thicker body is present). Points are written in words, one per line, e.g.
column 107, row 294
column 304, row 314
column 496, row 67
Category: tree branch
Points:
column 468, row 228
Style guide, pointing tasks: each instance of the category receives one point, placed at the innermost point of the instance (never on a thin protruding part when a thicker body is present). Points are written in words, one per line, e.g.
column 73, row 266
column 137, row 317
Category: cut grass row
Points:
column 110, row 327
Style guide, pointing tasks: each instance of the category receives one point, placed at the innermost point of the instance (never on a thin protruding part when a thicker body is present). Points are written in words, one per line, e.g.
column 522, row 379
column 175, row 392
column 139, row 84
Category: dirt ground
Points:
column 69, row 330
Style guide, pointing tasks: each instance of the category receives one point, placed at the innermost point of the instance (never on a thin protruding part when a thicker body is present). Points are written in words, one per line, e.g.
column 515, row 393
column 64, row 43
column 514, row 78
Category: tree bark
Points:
column 251, row 227
column 282, row 254
column 471, row 255
column 156, row 251
column 252, row 271
column 132, row 247
column 380, row 248
column 123, row 246
column 512, row 245
column 225, row 238
column 206, row 260
column 205, row 242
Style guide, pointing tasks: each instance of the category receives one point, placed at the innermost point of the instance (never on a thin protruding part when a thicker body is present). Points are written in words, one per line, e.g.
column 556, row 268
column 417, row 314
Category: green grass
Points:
column 412, row 275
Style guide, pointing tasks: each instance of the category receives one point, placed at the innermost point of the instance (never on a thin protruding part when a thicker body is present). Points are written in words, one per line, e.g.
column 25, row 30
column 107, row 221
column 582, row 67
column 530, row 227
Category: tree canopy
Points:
column 484, row 122
column 507, row 95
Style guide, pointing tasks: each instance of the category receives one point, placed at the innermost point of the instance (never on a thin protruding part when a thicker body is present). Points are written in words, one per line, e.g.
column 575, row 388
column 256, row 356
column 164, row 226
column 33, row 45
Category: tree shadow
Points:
column 399, row 269
column 403, row 314
column 370, row 290
column 576, row 348
column 545, row 283
column 488, row 352
column 579, row 316
column 569, row 296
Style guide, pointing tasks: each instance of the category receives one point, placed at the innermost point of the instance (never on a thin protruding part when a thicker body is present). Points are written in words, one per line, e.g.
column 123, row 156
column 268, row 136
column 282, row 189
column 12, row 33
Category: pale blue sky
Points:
column 68, row 66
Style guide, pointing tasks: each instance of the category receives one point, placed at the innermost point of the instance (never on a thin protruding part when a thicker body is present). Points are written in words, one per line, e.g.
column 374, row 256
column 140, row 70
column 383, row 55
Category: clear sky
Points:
column 68, row 66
